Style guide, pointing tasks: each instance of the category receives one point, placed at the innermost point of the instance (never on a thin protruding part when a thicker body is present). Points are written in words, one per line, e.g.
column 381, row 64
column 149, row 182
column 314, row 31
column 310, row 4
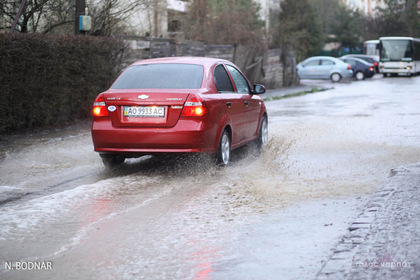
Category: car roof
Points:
column 321, row 57
column 205, row 61
column 356, row 59
column 359, row 55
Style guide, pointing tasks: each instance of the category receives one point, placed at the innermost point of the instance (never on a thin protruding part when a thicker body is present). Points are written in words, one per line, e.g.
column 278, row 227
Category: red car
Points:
column 178, row 105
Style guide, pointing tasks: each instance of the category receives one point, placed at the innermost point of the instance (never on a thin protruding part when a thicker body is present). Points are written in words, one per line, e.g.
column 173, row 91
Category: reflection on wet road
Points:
column 184, row 218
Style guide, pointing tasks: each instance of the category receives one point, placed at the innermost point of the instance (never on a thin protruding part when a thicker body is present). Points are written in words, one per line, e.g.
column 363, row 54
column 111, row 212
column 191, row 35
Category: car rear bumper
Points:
column 370, row 74
column 347, row 74
column 188, row 136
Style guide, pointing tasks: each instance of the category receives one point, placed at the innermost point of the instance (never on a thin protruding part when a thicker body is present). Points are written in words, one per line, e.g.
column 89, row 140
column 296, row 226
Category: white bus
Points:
column 370, row 47
column 399, row 56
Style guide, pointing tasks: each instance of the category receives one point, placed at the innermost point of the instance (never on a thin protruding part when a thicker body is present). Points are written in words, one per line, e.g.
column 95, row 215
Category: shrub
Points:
column 48, row 80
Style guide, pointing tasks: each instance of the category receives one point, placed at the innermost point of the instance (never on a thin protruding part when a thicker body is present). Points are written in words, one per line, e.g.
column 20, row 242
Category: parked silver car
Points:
column 324, row 67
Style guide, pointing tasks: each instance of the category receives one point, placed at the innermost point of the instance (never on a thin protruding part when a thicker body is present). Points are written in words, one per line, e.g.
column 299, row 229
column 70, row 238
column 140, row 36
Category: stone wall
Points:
column 273, row 68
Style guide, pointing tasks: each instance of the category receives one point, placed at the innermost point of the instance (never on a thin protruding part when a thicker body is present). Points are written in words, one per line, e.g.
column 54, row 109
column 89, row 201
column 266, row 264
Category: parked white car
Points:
column 324, row 67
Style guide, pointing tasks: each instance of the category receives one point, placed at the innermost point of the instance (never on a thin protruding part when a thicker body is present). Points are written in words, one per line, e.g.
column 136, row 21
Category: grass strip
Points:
column 300, row 93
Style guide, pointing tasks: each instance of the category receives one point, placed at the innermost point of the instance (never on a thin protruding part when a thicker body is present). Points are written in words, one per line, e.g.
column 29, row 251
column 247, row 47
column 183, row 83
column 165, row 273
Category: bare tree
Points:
column 57, row 16
column 111, row 16
column 224, row 22
column 30, row 17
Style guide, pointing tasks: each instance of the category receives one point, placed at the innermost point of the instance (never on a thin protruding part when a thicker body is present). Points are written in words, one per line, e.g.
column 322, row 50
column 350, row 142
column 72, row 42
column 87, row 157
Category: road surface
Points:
column 280, row 215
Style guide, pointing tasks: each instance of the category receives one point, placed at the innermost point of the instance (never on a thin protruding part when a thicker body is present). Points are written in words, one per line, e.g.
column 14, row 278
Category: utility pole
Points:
column 80, row 10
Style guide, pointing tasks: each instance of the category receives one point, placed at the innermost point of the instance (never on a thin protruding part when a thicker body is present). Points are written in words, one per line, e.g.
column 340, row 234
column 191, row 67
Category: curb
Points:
column 378, row 230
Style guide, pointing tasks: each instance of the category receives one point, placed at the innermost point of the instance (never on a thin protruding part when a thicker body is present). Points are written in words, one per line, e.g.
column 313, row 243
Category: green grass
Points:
column 300, row 93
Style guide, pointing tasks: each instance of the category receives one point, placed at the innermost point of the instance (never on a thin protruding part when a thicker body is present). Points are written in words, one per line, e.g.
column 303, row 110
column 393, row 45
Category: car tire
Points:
column 223, row 151
column 112, row 160
column 335, row 77
column 360, row 76
column 263, row 133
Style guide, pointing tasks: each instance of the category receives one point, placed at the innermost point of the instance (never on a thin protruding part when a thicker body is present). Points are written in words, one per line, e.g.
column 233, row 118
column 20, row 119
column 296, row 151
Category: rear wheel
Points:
column 112, row 160
column 223, row 152
column 360, row 76
column 335, row 77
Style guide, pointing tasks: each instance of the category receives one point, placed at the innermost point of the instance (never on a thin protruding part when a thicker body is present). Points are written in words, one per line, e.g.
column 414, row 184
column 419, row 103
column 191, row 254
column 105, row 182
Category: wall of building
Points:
column 366, row 7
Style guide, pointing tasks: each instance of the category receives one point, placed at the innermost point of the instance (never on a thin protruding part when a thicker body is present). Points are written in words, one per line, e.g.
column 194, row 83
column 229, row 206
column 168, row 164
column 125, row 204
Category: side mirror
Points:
column 259, row 89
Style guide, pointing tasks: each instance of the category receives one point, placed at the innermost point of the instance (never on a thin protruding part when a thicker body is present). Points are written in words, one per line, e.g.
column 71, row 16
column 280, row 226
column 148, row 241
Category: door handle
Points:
column 229, row 104
column 246, row 103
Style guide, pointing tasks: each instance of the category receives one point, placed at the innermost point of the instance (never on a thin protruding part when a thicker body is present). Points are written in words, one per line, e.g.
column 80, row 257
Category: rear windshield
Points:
column 172, row 76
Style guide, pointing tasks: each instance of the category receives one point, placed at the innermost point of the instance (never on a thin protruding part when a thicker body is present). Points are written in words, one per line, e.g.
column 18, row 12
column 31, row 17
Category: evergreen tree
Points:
column 300, row 26
column 391, row 19
column 397, row 18
column 348, row 27
column 326, row 9
column 413, row 21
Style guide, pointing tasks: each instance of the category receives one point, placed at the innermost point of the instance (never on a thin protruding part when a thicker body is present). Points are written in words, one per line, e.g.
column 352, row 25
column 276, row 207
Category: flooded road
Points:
column 271, row 216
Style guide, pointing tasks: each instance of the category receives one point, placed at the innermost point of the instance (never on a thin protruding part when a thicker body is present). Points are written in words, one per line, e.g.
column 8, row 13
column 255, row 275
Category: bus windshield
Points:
column 396, row 50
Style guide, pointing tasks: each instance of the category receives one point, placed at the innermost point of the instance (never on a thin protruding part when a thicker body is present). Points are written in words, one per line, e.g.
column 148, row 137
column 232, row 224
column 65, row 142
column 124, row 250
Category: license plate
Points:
column 144, row 111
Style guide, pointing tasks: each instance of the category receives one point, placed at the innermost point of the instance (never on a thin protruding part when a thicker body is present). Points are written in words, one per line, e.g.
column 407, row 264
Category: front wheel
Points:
column 263, row 133
column 223, row 152
column 335, row 77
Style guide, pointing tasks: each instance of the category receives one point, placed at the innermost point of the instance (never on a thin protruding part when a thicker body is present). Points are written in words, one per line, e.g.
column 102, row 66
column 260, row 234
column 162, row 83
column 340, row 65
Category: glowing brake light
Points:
column 348, row 67
column 99, row 107
column 194, row 107
column 371, row 68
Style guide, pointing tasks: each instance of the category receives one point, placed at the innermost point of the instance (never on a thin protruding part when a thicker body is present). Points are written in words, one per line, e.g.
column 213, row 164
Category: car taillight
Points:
column 371, row 68
column 376, row 63
column 194, row 107
column 99, row 107
column 348, row 67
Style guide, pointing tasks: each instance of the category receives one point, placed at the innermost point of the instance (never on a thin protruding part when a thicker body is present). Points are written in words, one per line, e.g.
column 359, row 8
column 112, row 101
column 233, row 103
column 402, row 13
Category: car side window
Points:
column 314, row 62
column 351, row 62
column 327, row 62
column 240, row 82
column 222, row 80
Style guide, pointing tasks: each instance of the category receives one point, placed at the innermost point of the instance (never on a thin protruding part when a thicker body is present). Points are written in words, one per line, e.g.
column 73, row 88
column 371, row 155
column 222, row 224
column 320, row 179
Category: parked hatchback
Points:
column 324, row 67
column 361, row 68
column 178, row 105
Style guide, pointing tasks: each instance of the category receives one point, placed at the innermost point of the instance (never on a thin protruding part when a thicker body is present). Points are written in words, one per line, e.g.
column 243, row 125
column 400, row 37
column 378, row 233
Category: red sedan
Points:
column 178, row 105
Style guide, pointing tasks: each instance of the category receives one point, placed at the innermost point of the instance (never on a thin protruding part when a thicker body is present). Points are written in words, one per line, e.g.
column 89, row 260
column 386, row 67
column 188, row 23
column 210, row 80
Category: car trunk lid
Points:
column 145, row 108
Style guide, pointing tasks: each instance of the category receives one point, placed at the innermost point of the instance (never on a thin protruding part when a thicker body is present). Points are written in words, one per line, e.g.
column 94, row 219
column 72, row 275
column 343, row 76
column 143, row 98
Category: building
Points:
column 163, row 17
column 366, row 7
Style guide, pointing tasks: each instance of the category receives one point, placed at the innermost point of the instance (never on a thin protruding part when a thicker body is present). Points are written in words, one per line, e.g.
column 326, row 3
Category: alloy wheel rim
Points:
column 264, row 132
column 225, row 149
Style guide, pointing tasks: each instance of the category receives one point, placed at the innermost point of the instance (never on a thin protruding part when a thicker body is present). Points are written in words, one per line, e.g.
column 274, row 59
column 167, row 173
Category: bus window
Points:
column 396, row 50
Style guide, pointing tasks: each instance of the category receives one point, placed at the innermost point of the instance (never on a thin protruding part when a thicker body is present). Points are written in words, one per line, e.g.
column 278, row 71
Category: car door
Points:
column 230, row 101
column 327, row 65
column 251, row 105
column 310, row 69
